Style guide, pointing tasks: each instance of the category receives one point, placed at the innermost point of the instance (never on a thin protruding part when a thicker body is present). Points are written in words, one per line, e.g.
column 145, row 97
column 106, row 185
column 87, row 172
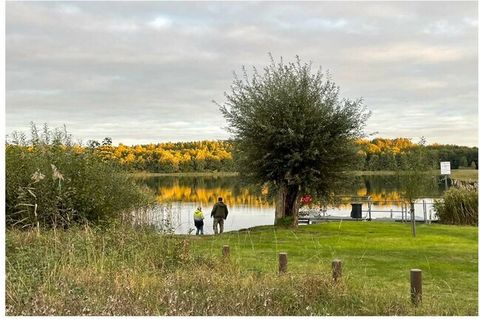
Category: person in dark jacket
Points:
column 219, row 214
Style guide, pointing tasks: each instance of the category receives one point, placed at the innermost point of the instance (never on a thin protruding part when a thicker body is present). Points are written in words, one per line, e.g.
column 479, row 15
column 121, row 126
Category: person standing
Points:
column 198, row 220
column 219, row 214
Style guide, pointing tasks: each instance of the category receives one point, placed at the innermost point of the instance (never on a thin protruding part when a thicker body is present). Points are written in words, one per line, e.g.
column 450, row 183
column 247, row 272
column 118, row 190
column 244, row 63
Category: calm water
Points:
column 248, row 207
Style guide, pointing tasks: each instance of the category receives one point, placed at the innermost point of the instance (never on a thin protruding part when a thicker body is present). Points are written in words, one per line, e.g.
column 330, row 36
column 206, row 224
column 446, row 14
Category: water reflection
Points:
column 250, row 206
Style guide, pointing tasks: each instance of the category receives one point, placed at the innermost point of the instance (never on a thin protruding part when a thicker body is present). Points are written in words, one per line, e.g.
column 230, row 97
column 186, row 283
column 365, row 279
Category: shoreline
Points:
column 467, row 175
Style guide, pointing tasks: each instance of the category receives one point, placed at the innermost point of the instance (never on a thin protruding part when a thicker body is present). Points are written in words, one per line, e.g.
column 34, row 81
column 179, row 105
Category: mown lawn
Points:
column 376, row 257
column 125, row 271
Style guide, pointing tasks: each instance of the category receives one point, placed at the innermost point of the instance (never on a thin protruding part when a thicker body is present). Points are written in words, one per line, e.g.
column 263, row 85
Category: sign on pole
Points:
column 445, row 168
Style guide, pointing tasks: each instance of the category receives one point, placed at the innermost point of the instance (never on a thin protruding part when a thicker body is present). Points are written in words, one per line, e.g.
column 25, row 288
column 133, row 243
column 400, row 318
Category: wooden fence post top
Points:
column 336, row 269
column 226, row 250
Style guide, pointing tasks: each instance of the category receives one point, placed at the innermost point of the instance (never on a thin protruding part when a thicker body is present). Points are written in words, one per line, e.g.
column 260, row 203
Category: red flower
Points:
column 306, row 199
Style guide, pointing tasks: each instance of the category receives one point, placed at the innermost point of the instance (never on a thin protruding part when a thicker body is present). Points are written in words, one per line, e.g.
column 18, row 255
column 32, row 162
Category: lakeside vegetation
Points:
column 123, row 271
column 51, row 184
column 459, row 206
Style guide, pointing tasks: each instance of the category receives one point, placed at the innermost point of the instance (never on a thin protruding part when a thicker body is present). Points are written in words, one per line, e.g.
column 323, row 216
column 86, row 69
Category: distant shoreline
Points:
column 457, row 174
column 186, row 174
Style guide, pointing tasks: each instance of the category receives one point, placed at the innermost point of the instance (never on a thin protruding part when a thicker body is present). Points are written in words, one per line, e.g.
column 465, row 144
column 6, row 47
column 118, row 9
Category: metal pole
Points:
column 446, row 182
column 424, row 211
column 401, row 205
column 369, row 208
column 412, row 216
column 391, row 213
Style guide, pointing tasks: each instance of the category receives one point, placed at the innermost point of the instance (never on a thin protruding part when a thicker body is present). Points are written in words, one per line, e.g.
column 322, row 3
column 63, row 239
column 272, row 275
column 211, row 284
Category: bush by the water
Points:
column 50, row 184
column 459, row 206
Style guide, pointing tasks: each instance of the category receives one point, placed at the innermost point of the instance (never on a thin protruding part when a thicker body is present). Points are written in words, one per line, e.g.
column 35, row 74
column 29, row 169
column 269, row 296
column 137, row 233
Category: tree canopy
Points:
column 293, row 131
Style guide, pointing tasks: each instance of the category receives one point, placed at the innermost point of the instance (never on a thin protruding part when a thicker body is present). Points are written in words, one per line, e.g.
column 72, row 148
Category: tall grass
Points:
column 459, row 206
column 50, row 183
column 122, row 271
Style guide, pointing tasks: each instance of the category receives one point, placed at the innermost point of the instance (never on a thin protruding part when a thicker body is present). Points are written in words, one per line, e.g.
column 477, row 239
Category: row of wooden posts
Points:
column 415, row 274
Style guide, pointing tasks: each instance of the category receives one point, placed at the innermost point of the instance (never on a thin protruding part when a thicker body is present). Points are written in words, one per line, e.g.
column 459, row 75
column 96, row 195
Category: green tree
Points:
column 462, row 162
column 416, row 177
column 292, row 132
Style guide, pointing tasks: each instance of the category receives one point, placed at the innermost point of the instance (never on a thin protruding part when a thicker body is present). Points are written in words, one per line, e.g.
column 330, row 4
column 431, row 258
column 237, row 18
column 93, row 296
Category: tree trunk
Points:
column 288, row 203
column 280, row 203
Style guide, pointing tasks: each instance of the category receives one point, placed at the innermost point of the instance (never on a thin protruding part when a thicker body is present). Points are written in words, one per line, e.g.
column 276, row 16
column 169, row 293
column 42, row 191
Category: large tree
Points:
column 292, row 132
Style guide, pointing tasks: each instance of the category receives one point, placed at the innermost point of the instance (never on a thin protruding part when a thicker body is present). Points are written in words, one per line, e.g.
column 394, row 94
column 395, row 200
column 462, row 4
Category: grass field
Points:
column 465, row 174
column 127, row 272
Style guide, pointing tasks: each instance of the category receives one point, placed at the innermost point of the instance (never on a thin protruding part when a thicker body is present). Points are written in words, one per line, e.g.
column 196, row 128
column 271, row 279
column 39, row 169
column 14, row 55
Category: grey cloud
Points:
column 134, row 71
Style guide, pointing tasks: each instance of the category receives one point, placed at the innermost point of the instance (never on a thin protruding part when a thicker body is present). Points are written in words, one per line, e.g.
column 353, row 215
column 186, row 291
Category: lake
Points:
column 248, row 206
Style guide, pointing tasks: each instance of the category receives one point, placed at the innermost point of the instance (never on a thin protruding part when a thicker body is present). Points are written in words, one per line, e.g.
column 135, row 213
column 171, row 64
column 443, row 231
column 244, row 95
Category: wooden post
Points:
column 402, row 211
column 226, row 251
column 391, row 213
column 282, row 262
column 416, row 286
column 336, row 269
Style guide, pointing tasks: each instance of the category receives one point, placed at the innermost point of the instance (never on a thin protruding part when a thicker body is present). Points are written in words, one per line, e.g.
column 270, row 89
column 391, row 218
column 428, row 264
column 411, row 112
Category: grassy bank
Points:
column 458, row 174
column 127, row 272
column 465, row 175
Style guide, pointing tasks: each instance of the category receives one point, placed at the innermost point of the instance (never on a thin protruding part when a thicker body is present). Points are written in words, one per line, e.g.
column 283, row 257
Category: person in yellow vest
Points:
column 198, row 220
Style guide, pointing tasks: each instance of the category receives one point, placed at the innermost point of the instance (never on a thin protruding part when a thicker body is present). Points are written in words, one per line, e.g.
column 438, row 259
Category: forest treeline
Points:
column 201, row 156
column 210, row 156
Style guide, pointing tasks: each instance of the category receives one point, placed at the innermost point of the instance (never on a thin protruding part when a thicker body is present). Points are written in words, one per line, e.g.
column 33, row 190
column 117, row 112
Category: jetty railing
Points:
column 399, row 210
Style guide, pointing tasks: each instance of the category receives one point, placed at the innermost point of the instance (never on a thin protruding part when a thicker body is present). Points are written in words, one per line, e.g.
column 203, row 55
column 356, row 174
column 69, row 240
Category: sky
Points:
column 147, row 72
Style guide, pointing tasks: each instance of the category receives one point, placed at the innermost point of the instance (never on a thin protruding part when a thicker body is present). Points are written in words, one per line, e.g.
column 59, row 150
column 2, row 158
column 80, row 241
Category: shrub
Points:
column 52, row 184
column 459, row 206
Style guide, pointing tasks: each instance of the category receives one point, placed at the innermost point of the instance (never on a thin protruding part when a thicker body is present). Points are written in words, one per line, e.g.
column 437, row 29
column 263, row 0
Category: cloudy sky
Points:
column 143, row 72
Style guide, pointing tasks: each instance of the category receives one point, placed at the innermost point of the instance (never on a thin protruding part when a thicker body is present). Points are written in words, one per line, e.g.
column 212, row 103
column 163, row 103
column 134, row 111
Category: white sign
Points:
column 445, row 168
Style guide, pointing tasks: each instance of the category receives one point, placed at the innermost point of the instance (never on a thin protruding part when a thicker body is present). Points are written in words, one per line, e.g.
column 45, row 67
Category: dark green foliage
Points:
column 52, row 184
column 458, row 156
column 459, row 206
column 292, row 130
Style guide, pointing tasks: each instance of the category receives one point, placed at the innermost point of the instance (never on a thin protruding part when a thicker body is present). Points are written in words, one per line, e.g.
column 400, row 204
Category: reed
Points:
column 49, row 183
column 459, row 206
